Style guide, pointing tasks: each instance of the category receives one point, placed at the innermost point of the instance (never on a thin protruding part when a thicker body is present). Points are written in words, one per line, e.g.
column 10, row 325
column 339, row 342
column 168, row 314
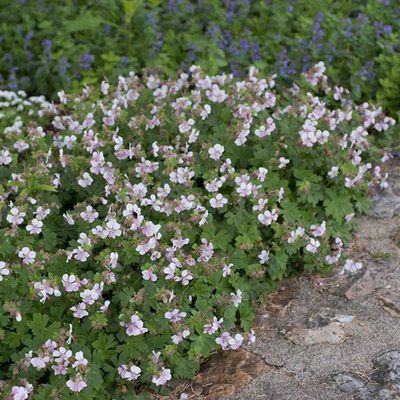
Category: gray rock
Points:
column 384, row 383
column 384, row 205
column 388, row 365
column 348, row 382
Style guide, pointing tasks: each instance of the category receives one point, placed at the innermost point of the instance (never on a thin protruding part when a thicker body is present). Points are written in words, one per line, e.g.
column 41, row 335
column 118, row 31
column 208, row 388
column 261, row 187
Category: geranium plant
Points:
column 140, row 221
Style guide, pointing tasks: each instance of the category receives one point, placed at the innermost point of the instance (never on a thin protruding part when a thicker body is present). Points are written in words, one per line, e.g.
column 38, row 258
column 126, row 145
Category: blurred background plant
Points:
column 47, row 46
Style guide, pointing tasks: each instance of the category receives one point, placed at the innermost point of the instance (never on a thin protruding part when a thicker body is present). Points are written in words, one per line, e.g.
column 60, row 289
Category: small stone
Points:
column 348, row 382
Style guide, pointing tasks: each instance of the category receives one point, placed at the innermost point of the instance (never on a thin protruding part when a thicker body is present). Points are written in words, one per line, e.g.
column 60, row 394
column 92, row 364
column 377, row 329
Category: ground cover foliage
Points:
column 48, row 45
column 141, row 219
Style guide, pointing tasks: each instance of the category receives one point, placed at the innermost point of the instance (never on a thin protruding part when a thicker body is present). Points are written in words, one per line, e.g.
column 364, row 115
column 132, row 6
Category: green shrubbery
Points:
column 140, row 222
column 48, row 45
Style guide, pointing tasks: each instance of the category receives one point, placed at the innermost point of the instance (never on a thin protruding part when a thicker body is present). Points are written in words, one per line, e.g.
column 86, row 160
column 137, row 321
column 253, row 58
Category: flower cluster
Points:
column 147, row 216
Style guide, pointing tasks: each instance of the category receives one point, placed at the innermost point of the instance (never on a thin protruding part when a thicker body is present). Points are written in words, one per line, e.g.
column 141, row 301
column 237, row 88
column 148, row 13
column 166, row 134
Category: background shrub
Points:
column 51, row 45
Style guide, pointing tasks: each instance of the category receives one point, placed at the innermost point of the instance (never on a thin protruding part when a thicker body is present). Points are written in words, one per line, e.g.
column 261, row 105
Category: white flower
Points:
column 85, row 181
column 79, row 360
column 312, row 247
column 352, row 266
column 27, row 255
column 318, row 230
column 162, row 378
column 216, row 151
column 35, row 227
column 62, row 97
column 283, row 162
column 79, row 310
column 268, row 217
column 5, row 157
column 19, row 393
column 218, row 201
column 264, row 256
column 236, row 298
column 113, row 228
column 244, row 189
column 226, row 270
column 132, row 374
column 15, row 217
column 3, row 270
column 76, row 384
column 235, row 342
column 333, row 173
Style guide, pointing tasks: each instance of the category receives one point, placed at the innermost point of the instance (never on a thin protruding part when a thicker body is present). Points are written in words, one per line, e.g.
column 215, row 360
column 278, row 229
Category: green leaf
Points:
column 39, row 327
column 184, row 368
column 130, row 8
column 277, row 264
column 85, row 21
column 205, row 344
column 50, row 239
column 338, row 205
column 362, row 204
column 94, row 378
column 6, row 248
column 291, row 212
column 221, row 239
column 246, row 317
column 47, row 188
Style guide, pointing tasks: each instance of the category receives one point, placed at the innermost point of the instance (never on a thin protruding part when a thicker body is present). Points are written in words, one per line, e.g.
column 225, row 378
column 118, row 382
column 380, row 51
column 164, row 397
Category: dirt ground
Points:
column 325, row 338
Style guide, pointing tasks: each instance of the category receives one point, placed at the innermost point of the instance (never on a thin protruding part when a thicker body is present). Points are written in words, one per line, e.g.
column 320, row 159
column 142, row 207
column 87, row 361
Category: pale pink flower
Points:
column 236, row 298
column 62, row 354
column 15, row 217
column 35, row 227
column 244, row 189
column 268, row 217
column 89, row 215
column 235, row 342
column 318, row 230
column 223, row 340
column 85, row 181
column 148, row 274
column 19, row 393
column 89, row 296
column 162, row 378
column 70, row 283
column 135, row 327
column 79, row 310
column 27, row 255
column 131, row 374
column 76, row 384
column 264, row 257
column 226, row 270
column 41, row 213
column 40, row 362
column 5, row 157
column 283, row 162
column 3, row 270
column 216, row 151
column 218, row 201
column 312, row 247
column 79, row 360
column 175, row 315
column 352, row 266
column 113, row 229
column 69, row 219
